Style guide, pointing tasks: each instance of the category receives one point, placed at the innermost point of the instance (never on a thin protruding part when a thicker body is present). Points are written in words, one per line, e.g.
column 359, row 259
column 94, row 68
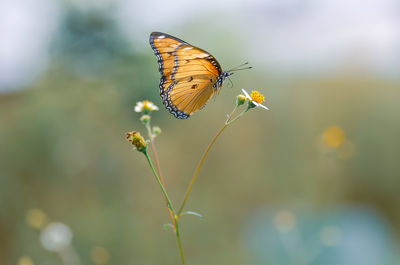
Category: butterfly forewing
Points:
column 188, row 74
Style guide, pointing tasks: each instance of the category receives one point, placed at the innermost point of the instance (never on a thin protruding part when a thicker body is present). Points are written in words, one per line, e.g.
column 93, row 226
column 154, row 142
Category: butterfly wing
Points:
column 188, row 74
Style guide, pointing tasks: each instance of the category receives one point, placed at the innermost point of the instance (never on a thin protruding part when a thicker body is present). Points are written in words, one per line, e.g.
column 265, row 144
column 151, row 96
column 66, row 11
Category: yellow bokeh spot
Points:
column 257, row 97
column 99, row 255
column 24, row 260
column 285, row 221
column 333, row 136
column 36, row 218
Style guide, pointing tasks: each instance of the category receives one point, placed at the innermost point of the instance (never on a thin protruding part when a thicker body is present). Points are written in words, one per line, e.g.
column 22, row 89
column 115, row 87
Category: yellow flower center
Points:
column 146, row 104
column 257, row 97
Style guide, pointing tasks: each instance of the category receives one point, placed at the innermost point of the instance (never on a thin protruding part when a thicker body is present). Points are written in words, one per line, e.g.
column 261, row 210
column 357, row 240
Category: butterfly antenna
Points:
column 240, row 67
column 230, row 82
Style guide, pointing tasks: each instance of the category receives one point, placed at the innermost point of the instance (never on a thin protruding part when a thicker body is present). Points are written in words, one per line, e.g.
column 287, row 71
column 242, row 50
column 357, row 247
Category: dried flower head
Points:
column 137, row 140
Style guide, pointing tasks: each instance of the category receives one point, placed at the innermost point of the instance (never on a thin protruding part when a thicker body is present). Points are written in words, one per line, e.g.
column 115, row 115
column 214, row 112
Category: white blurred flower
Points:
column 255, row 98
column 56, row 237
column 145, row 106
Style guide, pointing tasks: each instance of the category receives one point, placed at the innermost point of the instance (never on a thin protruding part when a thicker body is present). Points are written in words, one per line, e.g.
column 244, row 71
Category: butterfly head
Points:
column 221, row 78
column 226, row 74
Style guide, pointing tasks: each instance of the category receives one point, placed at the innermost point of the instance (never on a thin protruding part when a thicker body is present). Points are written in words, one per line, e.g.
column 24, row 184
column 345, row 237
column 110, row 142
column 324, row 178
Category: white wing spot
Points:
column 161, row 37
column 203, row 55
column 187, row 48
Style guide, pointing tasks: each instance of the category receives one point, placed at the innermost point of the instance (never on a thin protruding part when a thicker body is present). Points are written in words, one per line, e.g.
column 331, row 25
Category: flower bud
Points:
column 156, row 130
column 137, row 140
column 145, row 119
column 240, row 100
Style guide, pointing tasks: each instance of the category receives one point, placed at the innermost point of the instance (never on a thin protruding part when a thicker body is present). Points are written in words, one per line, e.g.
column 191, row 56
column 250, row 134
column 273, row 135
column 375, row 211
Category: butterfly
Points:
column 189, row 75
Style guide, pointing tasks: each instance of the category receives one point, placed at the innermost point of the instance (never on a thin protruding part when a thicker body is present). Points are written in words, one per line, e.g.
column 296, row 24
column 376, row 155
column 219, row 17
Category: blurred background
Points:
column 315, row 180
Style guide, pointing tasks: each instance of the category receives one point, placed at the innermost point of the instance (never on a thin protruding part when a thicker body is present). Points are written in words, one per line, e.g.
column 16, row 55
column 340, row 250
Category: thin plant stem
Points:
column 230, row 115
column 228, row 121
column 154, row 152
column 170, row 207
column 169, row 203
column 158, row 167
column 179, row 240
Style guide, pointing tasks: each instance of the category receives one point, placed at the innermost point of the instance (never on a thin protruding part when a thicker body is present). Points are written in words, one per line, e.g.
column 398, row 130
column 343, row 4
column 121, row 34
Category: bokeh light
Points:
column 333, row 237
column 333, row 136
column 25, row 260
column 56, row 237
column 99, row 255
column 36, row 218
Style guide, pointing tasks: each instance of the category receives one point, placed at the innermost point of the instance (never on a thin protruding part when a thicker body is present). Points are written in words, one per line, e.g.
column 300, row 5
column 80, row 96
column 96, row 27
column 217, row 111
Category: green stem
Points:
column 157, row 163
column 170, row 207
column 179, row 241
column 169, row 203
column 154, row 152
column 228, row 122
column 230, row 115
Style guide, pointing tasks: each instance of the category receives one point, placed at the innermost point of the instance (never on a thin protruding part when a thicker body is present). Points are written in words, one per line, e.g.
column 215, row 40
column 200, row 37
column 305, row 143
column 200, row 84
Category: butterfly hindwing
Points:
column 191, row 96
column 188, row 74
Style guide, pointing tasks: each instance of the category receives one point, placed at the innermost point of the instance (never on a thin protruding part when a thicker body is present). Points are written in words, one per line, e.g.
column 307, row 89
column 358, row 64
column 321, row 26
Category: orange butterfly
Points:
column 189, row 75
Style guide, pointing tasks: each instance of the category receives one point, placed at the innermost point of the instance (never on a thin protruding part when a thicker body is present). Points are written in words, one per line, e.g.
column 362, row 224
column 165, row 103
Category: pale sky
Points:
column 292, row 36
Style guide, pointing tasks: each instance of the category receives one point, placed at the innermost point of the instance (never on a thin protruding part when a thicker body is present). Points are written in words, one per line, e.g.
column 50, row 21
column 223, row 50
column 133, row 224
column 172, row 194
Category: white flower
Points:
column 255, row 98
column 145, row 106
column 56, row 237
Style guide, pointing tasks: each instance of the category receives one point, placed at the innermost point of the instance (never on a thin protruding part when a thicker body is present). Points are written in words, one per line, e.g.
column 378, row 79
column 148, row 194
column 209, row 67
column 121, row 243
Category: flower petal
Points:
column 139, row 107
column 152, row 106
column 246, row 94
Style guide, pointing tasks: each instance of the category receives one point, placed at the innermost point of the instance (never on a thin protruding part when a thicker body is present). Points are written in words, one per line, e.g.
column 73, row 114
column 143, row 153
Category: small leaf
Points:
column 192, row 213
column 167, row 226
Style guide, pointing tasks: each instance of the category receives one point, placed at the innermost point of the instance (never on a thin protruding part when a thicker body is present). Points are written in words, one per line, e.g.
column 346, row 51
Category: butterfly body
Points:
column 189, row 75
column 220, row 79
